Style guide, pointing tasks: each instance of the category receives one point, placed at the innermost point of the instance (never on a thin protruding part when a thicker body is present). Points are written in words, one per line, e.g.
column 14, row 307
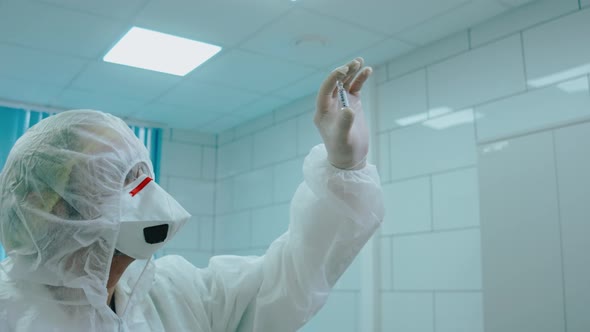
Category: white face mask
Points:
column 150, row 217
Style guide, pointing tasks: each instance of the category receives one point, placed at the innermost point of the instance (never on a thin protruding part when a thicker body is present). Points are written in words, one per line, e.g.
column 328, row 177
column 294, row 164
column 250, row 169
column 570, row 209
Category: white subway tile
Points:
column 197, row 258
column 520, row 236
column 461, row 17
column 339, row 314
column 277, row 143
column 402, row 101
column 408, row 206
column 268, row 224
column 557, row 50
column 407, row 312
column 383, row 160
column 196, row 196
column 380, row 73
column 287, row 177
column 253, row 189
column 386, row 264
column 187, row 237
column 225, row 137
column 351, row 279
column 520, row 18
column 308, row 135
column 192, row 136
column 431, row 53
column 166, row 134
column 441, row 261
column 573, row 163
column 209, row 163
column 206, row 233
column 224, row 196
column 234, row 157
column 254, row 125
column 233, row 231
column 459, row 312
column 433, row 146
column 181, row 159
column 534, row 110
column 455, row 197
column 483, row 74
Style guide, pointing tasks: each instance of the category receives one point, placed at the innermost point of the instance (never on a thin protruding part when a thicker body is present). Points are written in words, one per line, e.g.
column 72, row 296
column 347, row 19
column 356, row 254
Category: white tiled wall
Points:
column 522, row 272
column 573, row 162
column 472, row 114
column 187, row 172
column 444, row 111
column 553, row 51
column 488, row 72
column 535, row 110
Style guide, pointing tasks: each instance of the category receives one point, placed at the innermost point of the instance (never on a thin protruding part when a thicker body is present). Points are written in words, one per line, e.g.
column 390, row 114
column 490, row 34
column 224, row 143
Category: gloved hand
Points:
column 344, row 130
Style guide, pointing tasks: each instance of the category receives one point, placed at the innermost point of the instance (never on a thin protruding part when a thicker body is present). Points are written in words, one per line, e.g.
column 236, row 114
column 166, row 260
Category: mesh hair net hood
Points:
column 60, row 213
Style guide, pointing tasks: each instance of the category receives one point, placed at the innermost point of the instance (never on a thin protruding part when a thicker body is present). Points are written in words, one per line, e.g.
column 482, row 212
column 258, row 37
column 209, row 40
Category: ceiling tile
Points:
column 304, row 87
column 250, row 71
column 379, row 53
column 38, row 67
column 109, row 8
column 80, row 99
column 515, row 3
column 173, row 116
column 225, row 22
column 222, row 123
column 455, row 20
column 323, row 37
column 125, row 81
column 28, row 92
column 208, row 97
column 389, row 16
column 63, row 31
column 260, row 107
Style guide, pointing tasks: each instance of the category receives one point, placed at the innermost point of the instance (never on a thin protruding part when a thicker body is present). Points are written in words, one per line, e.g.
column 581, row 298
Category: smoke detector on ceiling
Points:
column 311, row 41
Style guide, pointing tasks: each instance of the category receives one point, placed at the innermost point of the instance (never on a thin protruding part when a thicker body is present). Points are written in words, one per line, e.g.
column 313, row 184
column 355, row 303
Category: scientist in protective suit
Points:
column 80, row 218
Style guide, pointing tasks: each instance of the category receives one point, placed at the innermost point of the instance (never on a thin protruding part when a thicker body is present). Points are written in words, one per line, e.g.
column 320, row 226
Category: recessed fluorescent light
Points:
column 160, row 52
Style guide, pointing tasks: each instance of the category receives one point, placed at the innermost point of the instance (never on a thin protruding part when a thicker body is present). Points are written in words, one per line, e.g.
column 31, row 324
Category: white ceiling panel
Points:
column 222, row 123
column 260, row 107
column 252, row 71
column 36, row 66
column 32, row 92
column 303, row 87
column 515, row 3
column 454, row 21
column 379, row 53
column 76, row 99
column 275, row 51
column 173, row 116
column 390, row 16
column 320, row 38
column 225, row 22
column 41, row 26
column 125, row 81
column 208, row 97
column 109, row 8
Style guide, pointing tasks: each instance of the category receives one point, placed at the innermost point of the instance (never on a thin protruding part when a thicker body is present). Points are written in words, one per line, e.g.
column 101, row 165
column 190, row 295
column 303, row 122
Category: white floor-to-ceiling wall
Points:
column 481, row 140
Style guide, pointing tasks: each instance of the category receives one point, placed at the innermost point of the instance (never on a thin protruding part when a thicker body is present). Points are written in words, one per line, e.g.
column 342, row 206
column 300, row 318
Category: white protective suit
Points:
column 60, row 213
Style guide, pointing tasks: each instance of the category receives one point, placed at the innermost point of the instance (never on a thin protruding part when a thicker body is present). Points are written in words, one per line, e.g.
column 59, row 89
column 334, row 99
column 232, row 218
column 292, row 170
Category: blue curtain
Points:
column 14, row 122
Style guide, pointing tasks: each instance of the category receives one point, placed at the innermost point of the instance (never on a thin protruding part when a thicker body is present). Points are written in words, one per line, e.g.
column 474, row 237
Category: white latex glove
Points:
column 344, row 130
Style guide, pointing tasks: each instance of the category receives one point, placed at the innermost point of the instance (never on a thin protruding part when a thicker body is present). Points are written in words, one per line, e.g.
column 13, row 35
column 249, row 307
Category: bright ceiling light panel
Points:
column 160, row 52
